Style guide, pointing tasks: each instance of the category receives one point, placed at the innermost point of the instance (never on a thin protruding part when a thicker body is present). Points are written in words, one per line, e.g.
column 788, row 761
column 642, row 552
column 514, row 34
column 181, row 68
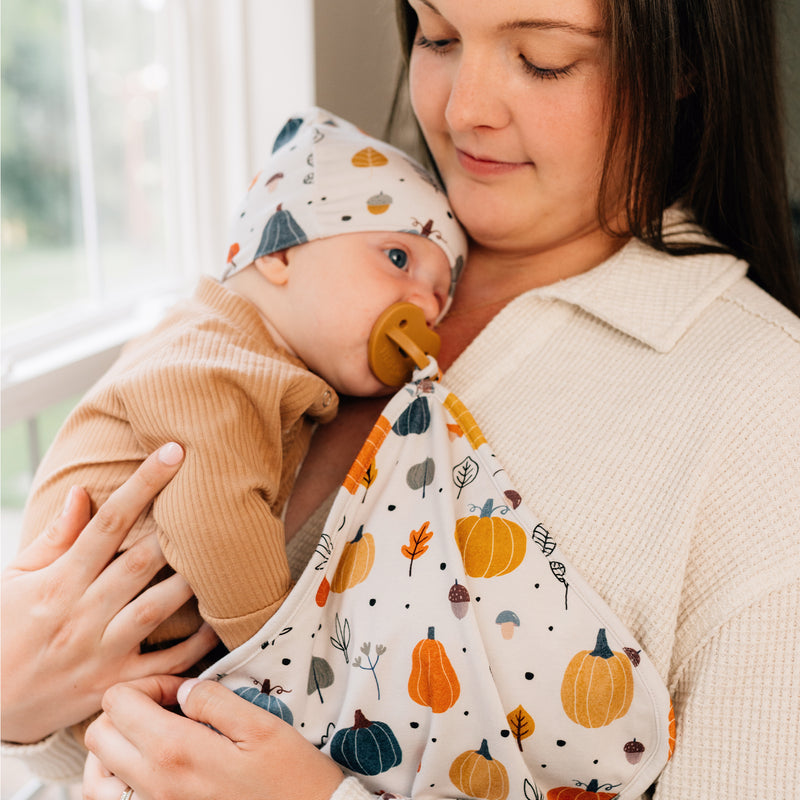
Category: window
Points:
column 129, row 130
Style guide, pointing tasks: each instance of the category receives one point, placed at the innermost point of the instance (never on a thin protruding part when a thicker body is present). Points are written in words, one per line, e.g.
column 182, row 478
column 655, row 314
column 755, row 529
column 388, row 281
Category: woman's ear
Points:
column 274, row 267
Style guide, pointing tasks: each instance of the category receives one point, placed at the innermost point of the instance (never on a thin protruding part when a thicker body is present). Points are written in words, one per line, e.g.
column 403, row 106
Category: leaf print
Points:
column 320, row 676
column 379, row 651
column 342, row 639
column 560, row 571
column 532, row 791
column 368, row 478
column 543, row 539
column 416, row 544
column 421, row 475
column 464, row 473
column 521, row 723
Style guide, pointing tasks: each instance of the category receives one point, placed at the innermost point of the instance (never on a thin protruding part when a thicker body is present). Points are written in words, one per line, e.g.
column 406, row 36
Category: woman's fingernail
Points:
column 70, row 499
column 185, row 688
column 170, row 454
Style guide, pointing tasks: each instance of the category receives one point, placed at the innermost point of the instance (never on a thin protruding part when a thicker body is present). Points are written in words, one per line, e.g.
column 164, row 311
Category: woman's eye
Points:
column 435, row 45
column 397, row 256
column 546, row 73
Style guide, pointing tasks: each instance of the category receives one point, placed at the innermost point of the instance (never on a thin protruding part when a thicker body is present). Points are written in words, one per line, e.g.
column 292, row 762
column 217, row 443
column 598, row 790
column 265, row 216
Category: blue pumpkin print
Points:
column 367, row 748
column 280, row 232
column 416, row 418
column 287, row 132
column 263, row 699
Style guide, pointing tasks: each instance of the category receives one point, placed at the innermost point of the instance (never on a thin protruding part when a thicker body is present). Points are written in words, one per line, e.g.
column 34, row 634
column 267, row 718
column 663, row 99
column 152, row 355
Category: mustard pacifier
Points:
column 399, row 342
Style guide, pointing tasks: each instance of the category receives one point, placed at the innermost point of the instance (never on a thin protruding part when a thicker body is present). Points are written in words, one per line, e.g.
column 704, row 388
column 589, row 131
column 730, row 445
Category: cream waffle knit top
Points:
column 649, row 413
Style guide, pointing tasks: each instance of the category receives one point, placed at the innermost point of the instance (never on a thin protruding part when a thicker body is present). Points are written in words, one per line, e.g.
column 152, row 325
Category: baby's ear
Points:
column 274, row 267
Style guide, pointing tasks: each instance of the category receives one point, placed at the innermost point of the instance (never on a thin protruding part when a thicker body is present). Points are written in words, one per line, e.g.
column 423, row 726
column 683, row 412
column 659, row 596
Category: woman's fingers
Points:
column 179, row 657
column 57, row 538
column 125, row 577
column 231, row 715
column 99, row 783
column 105, row 533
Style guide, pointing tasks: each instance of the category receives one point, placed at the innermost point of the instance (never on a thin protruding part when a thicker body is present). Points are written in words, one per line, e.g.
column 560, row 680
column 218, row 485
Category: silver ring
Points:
column 126, row 795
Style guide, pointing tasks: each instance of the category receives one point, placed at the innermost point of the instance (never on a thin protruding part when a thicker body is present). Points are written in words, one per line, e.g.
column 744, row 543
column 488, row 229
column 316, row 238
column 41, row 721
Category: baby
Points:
column 334, row 229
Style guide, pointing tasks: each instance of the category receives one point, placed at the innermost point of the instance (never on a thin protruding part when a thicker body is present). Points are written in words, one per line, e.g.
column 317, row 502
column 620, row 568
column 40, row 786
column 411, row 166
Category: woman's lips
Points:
column 488, row 167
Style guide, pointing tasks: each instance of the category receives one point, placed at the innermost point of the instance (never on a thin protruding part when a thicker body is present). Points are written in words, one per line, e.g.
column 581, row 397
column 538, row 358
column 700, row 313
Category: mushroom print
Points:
column 508, row 621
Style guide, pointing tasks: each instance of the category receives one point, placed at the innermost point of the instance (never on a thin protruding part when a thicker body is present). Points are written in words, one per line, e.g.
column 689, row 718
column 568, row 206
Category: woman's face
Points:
column 510, row 96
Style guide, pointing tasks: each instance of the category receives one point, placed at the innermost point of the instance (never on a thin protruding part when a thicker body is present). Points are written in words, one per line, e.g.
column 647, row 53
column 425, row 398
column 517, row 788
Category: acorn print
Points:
column 459, row 599
column 379, row 203
column 633, row 751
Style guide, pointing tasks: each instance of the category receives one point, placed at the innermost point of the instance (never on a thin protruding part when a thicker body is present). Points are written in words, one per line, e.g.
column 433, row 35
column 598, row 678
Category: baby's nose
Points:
column 426, row 298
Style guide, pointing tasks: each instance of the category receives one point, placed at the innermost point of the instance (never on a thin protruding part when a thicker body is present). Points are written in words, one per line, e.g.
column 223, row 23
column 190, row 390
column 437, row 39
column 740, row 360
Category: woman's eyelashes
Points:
column 442, row 46
column 397, row 256
column 546, row 73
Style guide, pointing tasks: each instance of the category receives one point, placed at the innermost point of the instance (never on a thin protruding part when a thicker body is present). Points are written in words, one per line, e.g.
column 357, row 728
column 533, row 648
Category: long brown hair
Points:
column 697, row 83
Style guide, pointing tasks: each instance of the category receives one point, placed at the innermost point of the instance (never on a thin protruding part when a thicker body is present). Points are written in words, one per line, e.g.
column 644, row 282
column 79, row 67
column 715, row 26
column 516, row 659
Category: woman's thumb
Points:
column 213, row 704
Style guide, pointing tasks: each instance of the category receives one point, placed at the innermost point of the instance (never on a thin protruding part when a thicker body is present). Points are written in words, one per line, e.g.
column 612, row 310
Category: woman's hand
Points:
column 251, row 753
column 71, row 625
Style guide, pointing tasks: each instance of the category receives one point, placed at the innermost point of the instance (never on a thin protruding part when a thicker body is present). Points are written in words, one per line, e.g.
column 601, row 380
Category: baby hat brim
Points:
column 327, row 177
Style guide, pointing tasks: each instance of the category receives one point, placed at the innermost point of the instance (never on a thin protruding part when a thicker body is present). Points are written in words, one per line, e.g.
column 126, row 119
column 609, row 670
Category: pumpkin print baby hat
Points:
column 440, row 645
column 327, row 177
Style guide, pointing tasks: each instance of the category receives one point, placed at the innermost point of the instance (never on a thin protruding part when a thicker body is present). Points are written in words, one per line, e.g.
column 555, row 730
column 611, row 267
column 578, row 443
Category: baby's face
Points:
column 338, row 287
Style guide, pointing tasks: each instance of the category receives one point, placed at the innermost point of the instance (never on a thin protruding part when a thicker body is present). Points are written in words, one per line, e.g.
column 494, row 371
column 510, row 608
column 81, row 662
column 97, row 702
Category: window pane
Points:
column 84, row 115
column 41, row 222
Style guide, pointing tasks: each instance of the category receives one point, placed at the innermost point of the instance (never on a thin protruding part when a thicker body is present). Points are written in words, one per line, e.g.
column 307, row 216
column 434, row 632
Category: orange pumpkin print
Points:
column 356, row 562
column 433, row 681
column 581, row 791
column 477, row 774
column 490, row 546
column 672, row 729
column 597, row 687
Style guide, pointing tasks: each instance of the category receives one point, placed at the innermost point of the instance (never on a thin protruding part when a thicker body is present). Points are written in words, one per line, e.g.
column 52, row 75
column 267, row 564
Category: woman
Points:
column 643, row 402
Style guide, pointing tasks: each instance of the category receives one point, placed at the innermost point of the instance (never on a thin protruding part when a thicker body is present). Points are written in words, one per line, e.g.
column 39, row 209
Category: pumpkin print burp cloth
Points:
column 439, row 644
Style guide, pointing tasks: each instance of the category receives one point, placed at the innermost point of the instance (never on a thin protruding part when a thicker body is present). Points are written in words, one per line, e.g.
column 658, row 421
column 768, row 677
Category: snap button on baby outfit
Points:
column 327, row 397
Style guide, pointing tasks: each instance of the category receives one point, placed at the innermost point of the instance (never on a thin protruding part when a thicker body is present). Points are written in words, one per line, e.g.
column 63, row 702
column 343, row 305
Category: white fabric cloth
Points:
column 439, row 645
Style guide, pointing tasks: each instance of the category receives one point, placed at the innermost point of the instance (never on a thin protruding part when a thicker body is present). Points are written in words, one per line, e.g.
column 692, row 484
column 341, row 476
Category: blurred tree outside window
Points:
column 88, row 209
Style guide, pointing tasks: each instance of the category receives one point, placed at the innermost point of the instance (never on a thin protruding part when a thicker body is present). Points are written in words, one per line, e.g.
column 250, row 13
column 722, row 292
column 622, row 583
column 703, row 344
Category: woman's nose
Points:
column 476, row 98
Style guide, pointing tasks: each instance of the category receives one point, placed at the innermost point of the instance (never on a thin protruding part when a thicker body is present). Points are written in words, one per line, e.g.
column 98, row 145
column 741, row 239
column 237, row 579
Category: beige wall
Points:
column 358, row 57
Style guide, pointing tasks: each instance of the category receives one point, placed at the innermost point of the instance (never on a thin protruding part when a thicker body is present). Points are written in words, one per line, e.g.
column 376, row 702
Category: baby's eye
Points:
column 397, row 256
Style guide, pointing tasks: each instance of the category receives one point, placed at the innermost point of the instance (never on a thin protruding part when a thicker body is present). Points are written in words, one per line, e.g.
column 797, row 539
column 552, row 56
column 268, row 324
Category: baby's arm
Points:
column 217, row 521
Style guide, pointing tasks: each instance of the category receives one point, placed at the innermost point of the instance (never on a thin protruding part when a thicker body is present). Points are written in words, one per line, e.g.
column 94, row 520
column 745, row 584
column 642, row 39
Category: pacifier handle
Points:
column 400, row 341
